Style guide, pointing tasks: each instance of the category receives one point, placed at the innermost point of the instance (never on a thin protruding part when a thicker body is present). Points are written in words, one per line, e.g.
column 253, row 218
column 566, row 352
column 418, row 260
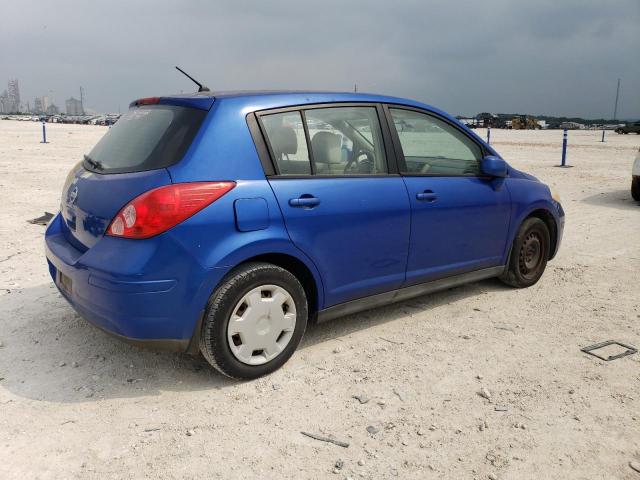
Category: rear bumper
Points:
column 148, row 292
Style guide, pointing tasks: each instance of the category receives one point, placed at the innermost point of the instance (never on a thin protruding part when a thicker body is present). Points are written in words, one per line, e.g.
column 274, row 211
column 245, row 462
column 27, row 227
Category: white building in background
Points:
column 41, row 104
column 10, row 98
column 4, row 102
column 37, row 105
column 14, row 95
column 74, row 107
column 572, row 126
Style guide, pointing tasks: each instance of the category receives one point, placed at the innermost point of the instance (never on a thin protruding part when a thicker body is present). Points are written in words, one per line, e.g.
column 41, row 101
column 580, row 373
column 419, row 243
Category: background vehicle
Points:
column 629, row 128
column 524, row 122
column 224, row 222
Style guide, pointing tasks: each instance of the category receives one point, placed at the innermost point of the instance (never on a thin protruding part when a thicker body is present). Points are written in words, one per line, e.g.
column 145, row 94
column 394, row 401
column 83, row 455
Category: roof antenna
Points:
column 355, row 88
column 201, row 87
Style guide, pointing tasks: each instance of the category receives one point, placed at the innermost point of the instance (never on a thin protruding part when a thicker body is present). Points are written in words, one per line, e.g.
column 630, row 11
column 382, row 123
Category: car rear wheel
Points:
column 529, row 254
column 254, row 321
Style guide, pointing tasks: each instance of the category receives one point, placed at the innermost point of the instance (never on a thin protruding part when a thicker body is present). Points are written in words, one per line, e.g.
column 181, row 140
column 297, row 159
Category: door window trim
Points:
column 267, row 158
column 402, row 166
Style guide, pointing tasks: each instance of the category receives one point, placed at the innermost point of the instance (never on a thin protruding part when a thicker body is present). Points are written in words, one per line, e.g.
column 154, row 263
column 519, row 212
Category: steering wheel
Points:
column 364, row 165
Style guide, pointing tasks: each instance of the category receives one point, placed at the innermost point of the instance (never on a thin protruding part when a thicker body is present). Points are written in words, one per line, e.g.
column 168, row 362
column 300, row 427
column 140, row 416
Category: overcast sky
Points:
column 557, row 57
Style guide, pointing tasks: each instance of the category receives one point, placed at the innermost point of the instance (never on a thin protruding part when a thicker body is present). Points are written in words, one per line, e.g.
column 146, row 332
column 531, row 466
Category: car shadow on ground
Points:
column 51, row 354
column 620, row 199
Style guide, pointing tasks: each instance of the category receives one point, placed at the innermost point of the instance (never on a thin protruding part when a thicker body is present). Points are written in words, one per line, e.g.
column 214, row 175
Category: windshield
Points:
column 145, row 138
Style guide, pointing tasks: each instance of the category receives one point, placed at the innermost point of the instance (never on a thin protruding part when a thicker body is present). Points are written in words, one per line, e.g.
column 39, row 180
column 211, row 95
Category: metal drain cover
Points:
column 591, row 350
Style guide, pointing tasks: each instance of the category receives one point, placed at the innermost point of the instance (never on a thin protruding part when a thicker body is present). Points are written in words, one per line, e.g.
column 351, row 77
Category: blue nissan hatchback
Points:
column 225, row 222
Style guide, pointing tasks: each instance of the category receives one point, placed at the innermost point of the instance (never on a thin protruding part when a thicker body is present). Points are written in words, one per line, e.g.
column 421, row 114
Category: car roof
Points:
column 249, row 101
column 268, row 99
column 302, row 97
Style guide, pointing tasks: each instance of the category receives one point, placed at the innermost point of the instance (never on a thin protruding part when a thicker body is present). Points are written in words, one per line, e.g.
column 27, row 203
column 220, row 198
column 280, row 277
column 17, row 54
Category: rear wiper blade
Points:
column 93, row 163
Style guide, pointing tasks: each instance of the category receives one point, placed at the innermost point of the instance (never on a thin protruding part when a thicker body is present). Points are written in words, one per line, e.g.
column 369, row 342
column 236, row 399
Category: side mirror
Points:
column 494, row 166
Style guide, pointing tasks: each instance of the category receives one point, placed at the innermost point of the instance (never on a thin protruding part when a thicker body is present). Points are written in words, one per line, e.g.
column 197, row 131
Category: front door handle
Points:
column 305, row 201
column 426, row 196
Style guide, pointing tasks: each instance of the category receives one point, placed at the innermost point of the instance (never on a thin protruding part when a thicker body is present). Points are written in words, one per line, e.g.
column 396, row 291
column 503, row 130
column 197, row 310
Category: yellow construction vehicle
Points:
column 524, row 122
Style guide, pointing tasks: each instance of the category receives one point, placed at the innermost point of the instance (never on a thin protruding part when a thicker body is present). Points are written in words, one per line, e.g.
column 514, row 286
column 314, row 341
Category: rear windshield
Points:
column 145, row 138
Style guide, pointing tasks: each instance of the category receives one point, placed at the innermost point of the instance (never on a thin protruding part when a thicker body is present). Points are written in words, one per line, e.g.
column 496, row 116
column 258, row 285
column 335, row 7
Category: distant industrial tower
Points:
column 615, row 107
column 82, row 100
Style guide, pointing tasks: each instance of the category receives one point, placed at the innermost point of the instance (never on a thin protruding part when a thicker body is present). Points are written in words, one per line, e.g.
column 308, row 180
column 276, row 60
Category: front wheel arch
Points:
column 547, row 217
column 518, row 273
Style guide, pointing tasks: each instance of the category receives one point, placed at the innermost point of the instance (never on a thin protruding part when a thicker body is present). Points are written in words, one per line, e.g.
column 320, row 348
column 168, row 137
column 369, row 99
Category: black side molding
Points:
column 374, row 301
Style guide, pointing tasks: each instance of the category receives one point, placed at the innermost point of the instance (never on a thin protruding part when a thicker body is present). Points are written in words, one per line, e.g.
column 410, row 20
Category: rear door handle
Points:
column 305, row 201
column 426, row 196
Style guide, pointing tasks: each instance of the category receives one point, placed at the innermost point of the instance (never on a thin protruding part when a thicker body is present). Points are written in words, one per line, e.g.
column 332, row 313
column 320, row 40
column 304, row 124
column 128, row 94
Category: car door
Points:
column 341, row 205
column 459, row 217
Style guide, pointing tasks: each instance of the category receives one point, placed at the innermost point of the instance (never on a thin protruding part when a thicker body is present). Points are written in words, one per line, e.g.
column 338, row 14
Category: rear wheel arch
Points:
column 300, row 270
column 238, row 339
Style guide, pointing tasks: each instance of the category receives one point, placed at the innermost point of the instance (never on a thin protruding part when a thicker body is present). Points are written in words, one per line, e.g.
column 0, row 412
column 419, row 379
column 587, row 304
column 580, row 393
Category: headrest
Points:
column 283, row 140
column 326, row 147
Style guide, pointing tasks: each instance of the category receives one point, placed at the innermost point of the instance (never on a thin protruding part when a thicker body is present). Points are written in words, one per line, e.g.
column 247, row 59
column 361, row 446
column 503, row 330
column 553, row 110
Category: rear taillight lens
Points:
column 160, row 209
column 147, row 101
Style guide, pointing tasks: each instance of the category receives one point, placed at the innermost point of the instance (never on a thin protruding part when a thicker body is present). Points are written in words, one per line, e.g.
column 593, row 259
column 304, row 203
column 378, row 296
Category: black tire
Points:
column 635, row 189
column 529, row 254
column 214, row 343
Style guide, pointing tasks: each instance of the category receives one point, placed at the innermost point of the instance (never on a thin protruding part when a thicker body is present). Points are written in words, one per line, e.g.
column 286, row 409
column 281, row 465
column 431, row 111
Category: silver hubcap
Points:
column 262, row 324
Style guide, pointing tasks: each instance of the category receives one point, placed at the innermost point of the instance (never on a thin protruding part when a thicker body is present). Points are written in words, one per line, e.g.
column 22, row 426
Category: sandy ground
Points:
column 75, row 403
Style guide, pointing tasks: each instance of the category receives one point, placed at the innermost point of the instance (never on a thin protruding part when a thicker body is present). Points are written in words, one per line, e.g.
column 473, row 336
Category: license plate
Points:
column 64, row 282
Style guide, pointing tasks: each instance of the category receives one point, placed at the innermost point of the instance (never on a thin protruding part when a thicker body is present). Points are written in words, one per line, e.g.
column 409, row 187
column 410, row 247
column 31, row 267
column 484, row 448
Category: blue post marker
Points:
column 44, row 133
column 602, row 136
column 489, row 135
column 564, row 151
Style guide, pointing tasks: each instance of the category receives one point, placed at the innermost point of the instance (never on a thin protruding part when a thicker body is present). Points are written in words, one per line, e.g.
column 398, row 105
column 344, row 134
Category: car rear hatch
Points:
column 131, row 158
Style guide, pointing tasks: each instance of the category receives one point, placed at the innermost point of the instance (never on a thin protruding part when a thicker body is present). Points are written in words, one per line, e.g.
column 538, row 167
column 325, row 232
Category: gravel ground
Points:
column 76, row 403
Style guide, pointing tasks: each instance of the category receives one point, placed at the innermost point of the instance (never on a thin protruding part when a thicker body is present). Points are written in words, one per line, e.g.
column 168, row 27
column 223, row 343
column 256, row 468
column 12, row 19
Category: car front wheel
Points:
column 529, row 254
column 635, row 188
column 254, row 321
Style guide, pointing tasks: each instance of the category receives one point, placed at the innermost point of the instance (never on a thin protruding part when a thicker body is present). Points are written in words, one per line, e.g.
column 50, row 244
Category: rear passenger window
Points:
column 286, row 138
column 346, row 141
column 433, row 147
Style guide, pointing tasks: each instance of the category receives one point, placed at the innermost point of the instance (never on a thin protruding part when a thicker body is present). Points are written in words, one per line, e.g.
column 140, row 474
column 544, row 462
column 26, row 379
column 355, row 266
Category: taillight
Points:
column 160, row 209
column 147, row 101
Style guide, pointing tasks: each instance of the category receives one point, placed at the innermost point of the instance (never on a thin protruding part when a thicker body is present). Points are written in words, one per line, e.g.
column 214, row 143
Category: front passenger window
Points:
column 433, row 147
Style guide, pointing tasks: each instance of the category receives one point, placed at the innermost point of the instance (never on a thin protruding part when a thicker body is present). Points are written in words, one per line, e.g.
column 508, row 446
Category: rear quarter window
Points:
column 146, row 138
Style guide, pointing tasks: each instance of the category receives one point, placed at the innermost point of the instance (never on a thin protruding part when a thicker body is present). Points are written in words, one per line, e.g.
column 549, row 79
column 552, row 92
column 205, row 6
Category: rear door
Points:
column 459, row 217
column 342, row 205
